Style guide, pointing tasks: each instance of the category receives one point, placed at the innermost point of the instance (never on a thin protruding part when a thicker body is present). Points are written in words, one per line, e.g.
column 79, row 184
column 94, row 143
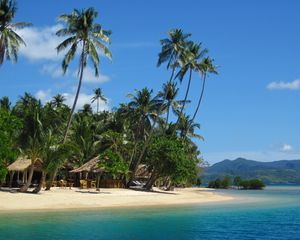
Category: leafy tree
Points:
column 10, row 41
column 113, row 163
column 169, row 157
column 237, row 181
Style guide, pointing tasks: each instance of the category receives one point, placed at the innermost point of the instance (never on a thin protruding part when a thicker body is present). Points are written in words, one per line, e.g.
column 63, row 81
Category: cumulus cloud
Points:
column 286, row 148
column 84, row 99
column 52, row 69
column 41, row 43
column 294, row 85
column 43, row 95
column 46, row 95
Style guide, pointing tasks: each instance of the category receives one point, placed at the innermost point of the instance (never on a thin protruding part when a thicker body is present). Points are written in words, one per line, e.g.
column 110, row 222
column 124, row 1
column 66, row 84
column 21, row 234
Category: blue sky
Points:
column 251, row 109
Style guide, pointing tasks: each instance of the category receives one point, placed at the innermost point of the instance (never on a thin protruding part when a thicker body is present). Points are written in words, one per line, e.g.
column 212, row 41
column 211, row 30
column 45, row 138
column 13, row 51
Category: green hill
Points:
column 284, row 171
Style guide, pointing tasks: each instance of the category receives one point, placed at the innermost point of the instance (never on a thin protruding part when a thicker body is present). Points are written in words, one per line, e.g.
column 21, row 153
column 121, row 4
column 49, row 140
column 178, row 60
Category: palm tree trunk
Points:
column 40, row 186
column 185, row 98
column 97, row 105
column 200, row 99
column 27, row 184
column 147, row 141
column 168, row 113
column 151, row 181
column 82, row 63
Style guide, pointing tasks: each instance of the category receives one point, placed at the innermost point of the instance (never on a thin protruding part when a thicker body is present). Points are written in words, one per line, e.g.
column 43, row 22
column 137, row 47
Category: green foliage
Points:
column 218, row 183
column 10, row 41
column 252, row 184
column 237, row 181
column 170, row 157
column 113, row 163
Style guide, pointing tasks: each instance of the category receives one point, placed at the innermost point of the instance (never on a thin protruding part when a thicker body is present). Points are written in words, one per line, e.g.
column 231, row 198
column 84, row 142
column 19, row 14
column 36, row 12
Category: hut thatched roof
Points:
column 23, row 163
column 142, row 171
column 90, row 166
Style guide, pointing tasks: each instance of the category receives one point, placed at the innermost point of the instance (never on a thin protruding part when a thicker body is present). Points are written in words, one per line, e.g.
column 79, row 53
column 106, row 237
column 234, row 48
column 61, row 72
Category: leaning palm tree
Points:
column 10, row 41
column 171, row 90
column 81, row 31
column 190, row 62
column 207, row 66
column 98, row 96
column 171, row 51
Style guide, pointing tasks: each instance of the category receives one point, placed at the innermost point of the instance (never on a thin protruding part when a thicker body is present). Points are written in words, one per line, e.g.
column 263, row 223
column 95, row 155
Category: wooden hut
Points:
column 91, row 170
column 21, row 166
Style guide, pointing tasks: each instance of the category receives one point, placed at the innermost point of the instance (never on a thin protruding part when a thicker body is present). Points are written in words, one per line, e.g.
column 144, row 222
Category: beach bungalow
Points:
column 18, row 171
column 92, row 176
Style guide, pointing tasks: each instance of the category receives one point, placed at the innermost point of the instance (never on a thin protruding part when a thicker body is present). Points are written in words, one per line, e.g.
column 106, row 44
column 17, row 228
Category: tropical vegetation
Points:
column 152, row 129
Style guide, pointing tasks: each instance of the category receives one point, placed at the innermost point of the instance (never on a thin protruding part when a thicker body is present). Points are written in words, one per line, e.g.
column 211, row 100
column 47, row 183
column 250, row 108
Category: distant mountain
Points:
column 284, row 171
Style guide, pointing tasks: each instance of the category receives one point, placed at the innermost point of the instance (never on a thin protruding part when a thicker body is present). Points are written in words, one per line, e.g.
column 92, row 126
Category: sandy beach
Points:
column 75, row 198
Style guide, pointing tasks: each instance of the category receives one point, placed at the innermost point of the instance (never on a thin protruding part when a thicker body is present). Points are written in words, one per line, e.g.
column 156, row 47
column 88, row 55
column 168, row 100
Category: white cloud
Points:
column 84, row 99
column 52, row 69
column 286, row 148
column 46, row 95
column 89, row 76
column 294, row 85
column 41, row 43
column 43, row 95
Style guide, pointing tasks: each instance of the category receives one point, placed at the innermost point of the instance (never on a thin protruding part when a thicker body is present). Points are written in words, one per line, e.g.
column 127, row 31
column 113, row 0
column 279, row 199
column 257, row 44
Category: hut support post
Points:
column 12, row 173
column 98, row 182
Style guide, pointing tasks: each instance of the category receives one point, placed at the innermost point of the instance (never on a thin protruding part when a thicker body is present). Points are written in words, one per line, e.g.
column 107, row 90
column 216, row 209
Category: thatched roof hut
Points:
column 90, row 166
column 23, row 163
column 142, row 172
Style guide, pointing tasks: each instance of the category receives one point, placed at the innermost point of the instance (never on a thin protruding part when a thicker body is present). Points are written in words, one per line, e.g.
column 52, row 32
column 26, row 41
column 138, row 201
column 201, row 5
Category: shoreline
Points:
column 108, row 198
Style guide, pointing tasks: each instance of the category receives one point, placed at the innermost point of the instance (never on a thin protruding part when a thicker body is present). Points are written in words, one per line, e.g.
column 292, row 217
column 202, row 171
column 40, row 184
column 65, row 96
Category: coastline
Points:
column 78, row 199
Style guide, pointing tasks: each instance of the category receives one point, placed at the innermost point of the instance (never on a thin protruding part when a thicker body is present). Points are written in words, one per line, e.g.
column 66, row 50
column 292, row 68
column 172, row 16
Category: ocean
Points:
column 273, row 213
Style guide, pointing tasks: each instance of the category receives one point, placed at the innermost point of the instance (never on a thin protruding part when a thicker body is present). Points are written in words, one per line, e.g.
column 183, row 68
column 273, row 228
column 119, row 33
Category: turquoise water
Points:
column 270, row 214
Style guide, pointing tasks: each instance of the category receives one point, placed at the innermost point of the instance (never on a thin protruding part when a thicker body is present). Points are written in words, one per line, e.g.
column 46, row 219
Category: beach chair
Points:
column 83, row 184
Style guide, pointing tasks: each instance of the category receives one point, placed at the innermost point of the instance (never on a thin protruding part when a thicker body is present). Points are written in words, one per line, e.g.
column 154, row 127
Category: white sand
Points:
column 59, row 198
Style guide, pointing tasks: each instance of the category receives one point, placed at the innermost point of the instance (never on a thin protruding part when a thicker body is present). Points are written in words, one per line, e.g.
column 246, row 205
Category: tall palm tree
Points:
column 207, row 66
column 144, row 108
column 10, row 41
column 81, row 31
column 171, row 51
column 190, row 61
column 98, row 96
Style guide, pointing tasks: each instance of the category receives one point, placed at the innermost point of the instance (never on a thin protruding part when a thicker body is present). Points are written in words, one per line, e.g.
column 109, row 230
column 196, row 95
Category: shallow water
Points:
column 273, row 213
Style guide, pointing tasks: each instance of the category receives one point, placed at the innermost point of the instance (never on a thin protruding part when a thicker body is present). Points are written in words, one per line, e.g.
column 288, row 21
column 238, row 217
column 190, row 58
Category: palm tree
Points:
column 10, row 41
column 171, row 90
column 144, row 109
column 207, row 66
column 187, row 128
column 171, row 51
column 81, row 31
column 5, row 103
column 98, row 96
column 58, row 101
column 190, row 62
